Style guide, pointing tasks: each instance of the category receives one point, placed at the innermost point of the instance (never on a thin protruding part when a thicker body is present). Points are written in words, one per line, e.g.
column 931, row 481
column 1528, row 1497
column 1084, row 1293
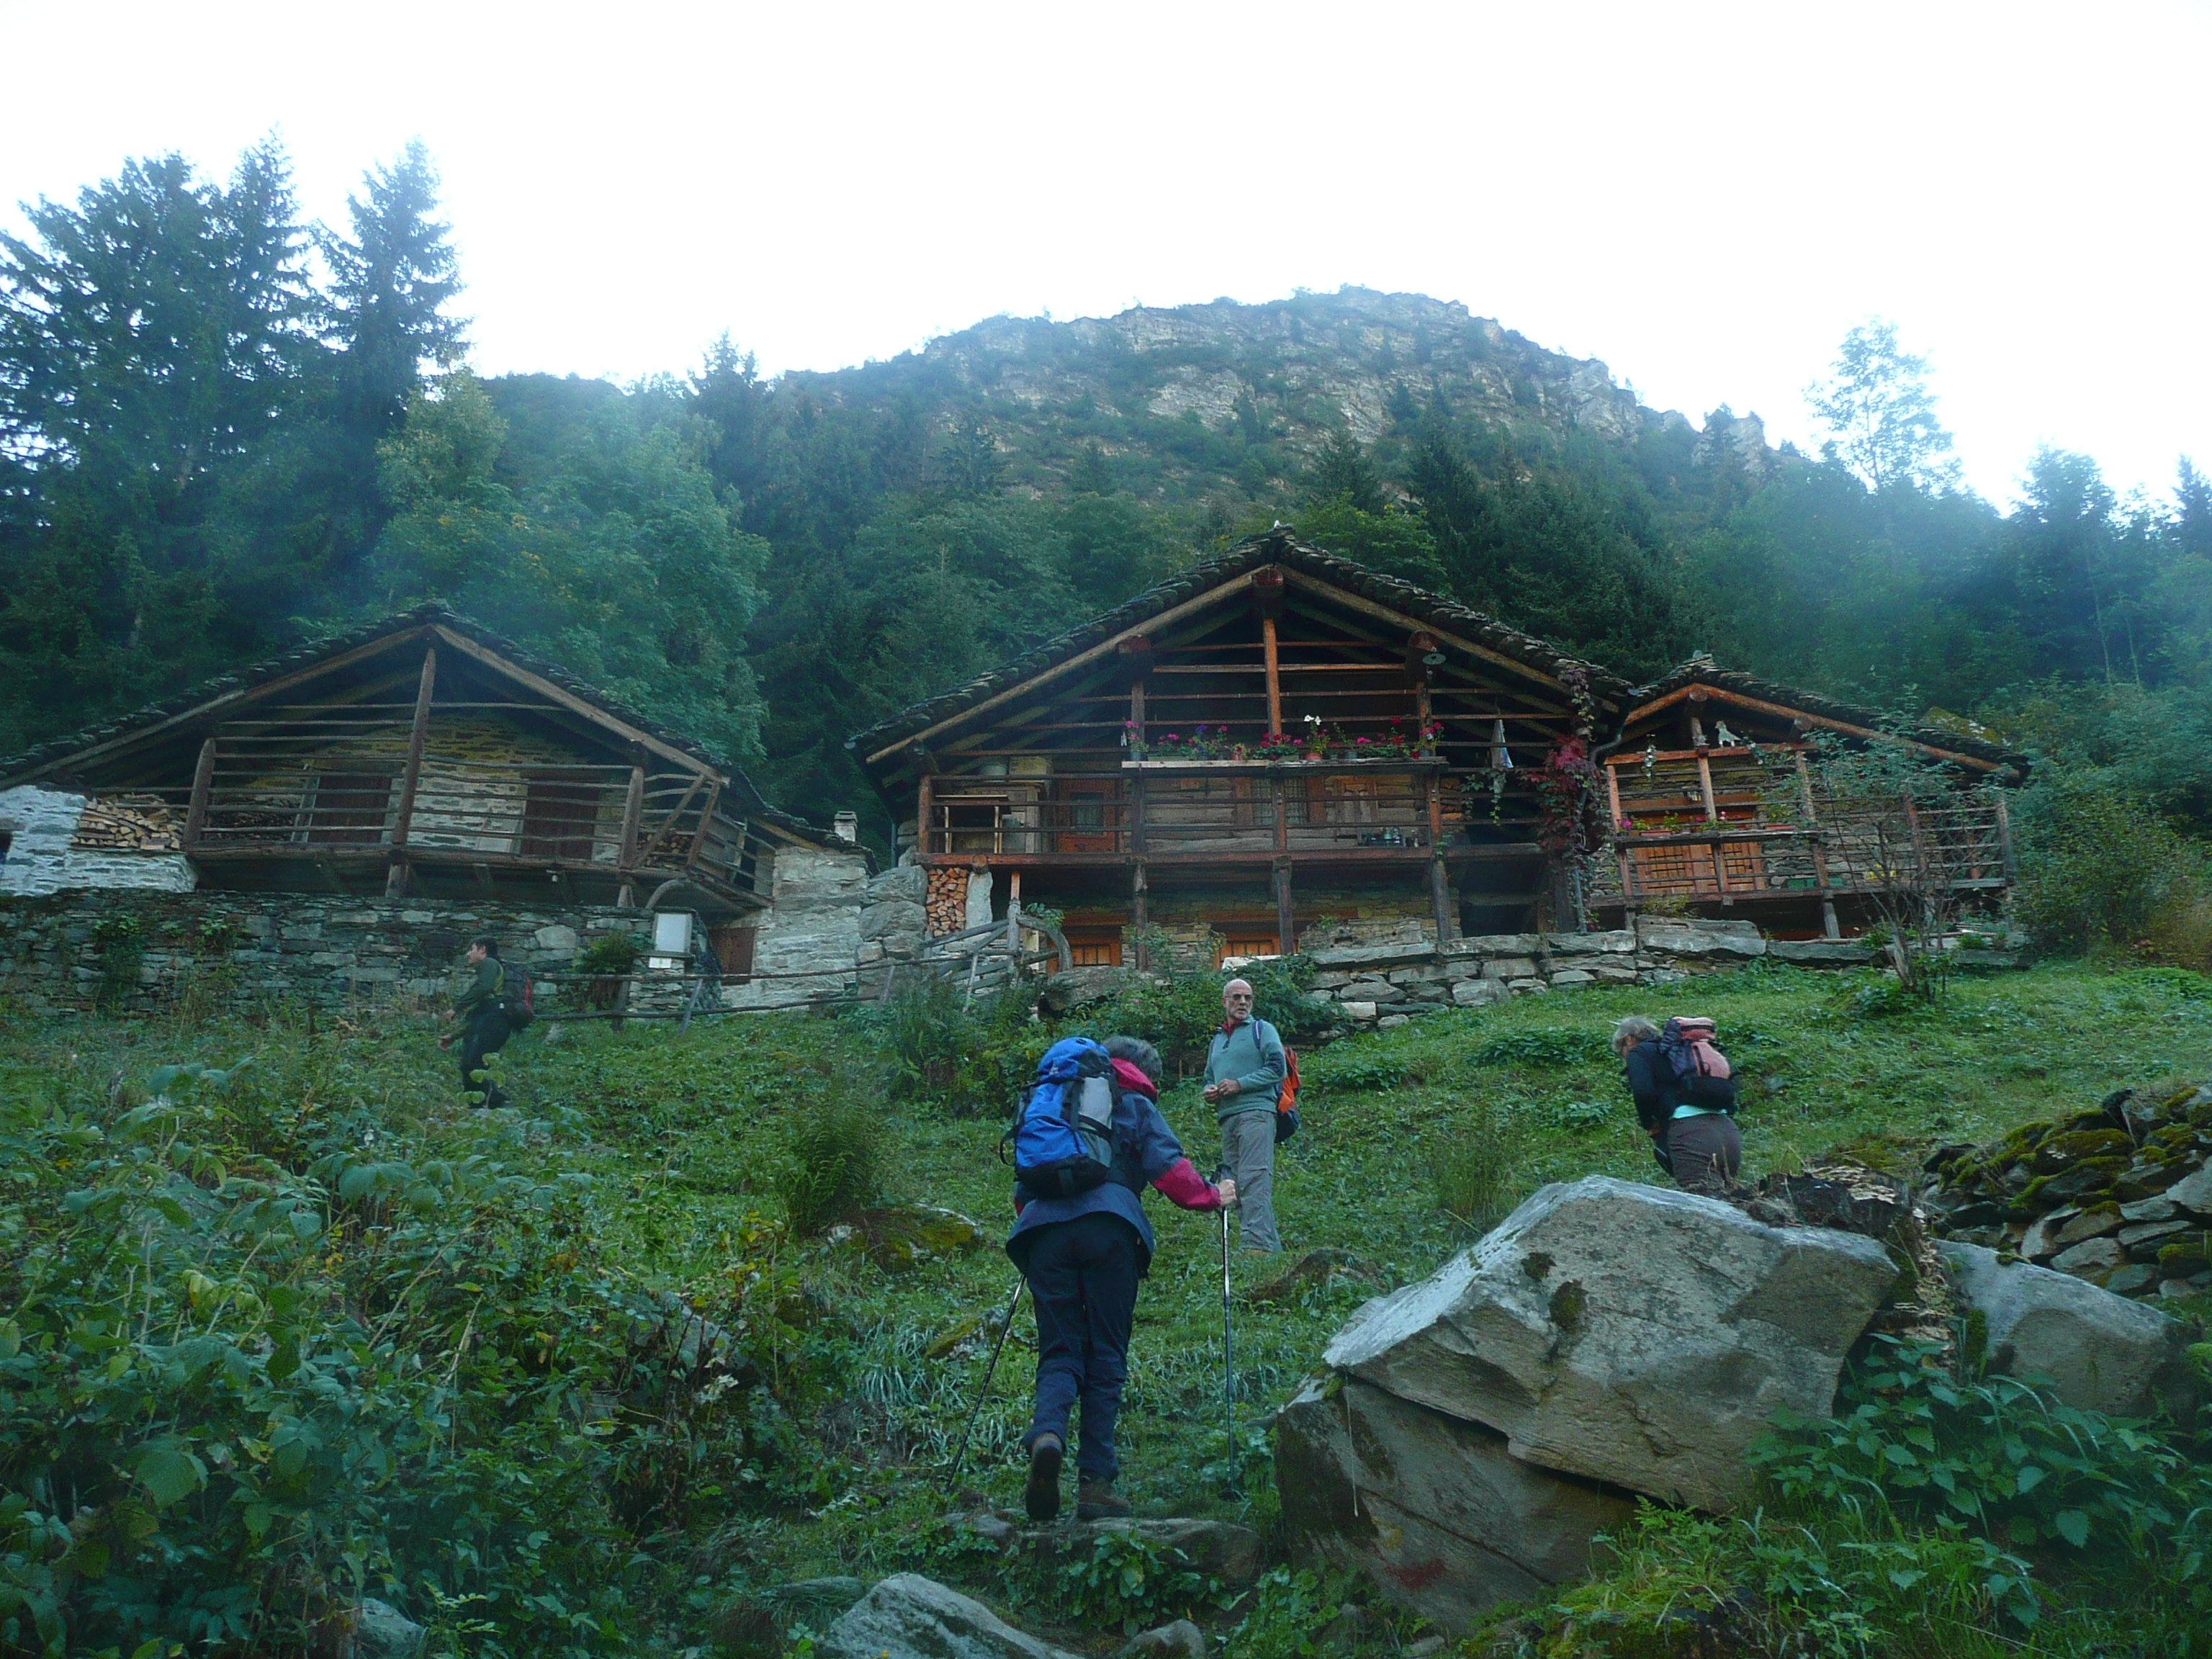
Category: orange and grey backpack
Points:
column 1286, row 1102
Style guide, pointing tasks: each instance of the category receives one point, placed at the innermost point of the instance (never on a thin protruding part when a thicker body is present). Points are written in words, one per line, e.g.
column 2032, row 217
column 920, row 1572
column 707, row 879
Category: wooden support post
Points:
column 395, row 880
column 1280, row 800
column 1137, row 717
column 706, row 823
column 1712, row 815
column 1014, row 916
column 1829, row 924
column 923, row 831
column 626, row 852
column 1137, row 815
column 203, row 780
column 2004, row 839
column 1440, row 898
column 1137, row 915
column 1286, row 924
column 1422, row 711
column 1627, row 861
column 1274, row 673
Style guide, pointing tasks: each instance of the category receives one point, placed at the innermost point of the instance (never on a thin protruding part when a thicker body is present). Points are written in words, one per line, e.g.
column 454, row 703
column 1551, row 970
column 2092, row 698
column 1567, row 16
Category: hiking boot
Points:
column 1042, row 1496
column 1097, row 1500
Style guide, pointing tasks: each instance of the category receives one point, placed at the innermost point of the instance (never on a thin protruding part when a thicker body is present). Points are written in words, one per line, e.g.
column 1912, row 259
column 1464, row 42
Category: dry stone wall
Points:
column 61, row 953
column 1383, row 981
column 40, row 827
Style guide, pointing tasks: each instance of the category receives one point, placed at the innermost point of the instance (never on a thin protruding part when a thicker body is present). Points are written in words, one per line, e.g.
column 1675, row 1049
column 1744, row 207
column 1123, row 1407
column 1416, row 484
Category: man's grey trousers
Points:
column 1248, row 1147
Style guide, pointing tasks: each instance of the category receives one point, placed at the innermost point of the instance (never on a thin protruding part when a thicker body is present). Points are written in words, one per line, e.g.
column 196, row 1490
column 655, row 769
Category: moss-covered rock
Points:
column 2071, row 1146
column 2087, row 1181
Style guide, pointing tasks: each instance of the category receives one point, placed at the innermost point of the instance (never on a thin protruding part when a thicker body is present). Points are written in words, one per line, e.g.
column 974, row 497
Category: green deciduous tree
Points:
column 1881, row 415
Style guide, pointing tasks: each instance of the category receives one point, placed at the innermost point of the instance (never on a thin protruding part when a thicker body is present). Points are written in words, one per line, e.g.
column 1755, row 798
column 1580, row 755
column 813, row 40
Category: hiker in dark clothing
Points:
column 1698, row 1145
column 484, row 1029
column 1083, row 1255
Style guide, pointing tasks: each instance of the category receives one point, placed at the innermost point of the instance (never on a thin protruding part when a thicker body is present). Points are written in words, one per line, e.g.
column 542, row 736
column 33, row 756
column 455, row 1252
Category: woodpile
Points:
column 133, row 823
column 945, row 908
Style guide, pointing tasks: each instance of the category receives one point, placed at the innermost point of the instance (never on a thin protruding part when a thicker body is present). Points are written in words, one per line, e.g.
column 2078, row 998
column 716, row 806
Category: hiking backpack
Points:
column 1064, row 1135
column 1286, row 1102
column 1701, row 1069
column 516, row 996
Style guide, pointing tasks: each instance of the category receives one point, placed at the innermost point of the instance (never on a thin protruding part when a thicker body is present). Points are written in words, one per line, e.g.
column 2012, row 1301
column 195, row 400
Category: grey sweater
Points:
column 1253, row 1054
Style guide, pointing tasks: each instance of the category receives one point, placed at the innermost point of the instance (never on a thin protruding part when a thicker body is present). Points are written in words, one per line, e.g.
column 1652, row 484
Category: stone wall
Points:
column 1384, row 982
column 40, row 825
column 808, row 944
column 61, row 952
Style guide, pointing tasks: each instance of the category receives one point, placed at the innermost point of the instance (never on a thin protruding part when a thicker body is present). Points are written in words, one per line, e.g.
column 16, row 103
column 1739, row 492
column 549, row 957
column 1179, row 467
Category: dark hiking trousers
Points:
column 1083, row 1277
column 484, row 1036
column 1705, row 1152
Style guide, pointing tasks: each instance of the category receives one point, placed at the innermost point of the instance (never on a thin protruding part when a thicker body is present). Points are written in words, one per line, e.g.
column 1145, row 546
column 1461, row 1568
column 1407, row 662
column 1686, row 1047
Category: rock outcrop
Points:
column 1435, row 1509
column 1625, row 1334
column 909, row 1617
column 2099, row 1352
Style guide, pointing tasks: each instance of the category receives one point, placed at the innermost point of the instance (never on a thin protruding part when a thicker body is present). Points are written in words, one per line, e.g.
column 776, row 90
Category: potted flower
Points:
column 1133, row 739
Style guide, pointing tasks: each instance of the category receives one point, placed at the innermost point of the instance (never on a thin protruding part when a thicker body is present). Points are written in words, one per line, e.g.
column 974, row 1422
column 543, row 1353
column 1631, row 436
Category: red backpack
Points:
column 1286, row 1102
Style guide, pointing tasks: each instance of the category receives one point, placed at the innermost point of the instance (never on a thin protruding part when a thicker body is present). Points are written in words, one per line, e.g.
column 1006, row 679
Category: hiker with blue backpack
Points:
column 1685, row 1093
column 1089, row 1139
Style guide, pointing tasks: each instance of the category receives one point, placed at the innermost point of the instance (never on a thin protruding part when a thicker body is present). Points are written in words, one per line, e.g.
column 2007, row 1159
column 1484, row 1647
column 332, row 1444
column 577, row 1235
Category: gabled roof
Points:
column 1941, row 742
column 240, row 683
column 1274, row 547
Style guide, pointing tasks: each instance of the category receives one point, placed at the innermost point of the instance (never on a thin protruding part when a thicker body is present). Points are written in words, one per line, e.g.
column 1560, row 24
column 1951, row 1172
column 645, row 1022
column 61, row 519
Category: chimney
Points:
column 847, row 827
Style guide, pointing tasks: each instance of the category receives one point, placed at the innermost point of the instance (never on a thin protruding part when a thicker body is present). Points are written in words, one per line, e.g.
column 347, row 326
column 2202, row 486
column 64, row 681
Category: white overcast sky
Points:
column 1704, row 196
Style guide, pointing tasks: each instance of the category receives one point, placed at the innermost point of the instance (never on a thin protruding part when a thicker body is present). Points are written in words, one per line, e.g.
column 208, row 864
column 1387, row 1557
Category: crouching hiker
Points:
column 1089, row 1139
column 1685, row 1094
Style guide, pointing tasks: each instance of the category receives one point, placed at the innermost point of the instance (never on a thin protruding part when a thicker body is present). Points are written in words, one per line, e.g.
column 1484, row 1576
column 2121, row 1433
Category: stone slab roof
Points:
column 247, row 676
column 1703, row 670
column 1276, row 546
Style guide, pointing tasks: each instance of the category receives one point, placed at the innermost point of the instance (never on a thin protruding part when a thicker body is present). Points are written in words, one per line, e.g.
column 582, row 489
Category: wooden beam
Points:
column 203, row 775
column 395, row 883
column 1104, row 647
column 1286, row 924
column 706, row 823
column 567, row 700
column 1274, row 672
column 1802, row 716
column 669, row 823
column 632, row 809
column 1397, row 618
column 241, row 698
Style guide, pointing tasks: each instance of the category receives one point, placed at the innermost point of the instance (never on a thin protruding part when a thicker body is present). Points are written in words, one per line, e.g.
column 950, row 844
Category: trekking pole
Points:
column 1228, row 1346
column 1005, row 1326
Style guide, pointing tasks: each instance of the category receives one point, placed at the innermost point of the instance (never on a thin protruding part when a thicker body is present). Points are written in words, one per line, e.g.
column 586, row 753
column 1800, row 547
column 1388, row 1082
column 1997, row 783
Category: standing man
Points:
column 483, row 1029
column 1244, row 1072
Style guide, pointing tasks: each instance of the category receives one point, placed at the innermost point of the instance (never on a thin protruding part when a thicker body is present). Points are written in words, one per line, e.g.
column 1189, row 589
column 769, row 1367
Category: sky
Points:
column 1706, row 197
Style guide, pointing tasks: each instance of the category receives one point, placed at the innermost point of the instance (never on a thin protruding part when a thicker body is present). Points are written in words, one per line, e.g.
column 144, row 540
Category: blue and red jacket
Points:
column 1146, row 1151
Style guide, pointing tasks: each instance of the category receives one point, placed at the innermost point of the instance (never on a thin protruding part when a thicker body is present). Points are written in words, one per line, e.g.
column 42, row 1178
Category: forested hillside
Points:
column 222, row 430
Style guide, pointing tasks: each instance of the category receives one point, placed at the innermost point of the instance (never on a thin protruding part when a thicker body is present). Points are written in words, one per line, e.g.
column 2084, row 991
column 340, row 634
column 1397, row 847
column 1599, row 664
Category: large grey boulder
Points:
column 1628, row 1334
column 2101, row 1352
column 909, row 1617
column 1436, row 1512
column 381, row 1631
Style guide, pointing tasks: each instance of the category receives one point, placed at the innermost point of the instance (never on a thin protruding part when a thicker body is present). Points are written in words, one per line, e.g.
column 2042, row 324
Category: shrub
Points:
column 2104, row 869
column 831, row 1159
column 969, row 1057
column 1543, row 1045
column 1179, row 1012
column 1475, row 1173
column 257, row 1363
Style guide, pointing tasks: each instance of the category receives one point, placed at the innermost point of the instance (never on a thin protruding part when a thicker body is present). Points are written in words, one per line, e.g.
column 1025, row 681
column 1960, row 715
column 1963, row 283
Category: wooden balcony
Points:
column 1189, row 811
column 598, row 826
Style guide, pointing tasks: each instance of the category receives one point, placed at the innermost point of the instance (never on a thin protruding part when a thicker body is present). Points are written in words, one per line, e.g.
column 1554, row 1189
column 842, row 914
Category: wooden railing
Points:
column 1964, row 844
column 246, row 803
column 1164, row 810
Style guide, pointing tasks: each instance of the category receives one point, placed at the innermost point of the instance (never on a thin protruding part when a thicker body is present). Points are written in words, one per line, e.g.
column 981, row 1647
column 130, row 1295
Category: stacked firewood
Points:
column 138, row 823
column 945, row 908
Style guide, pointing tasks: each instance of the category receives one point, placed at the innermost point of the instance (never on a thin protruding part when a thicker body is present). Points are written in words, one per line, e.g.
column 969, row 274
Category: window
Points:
column 1244, row 942
column 560, row 819
column 346, row 808
column 1094, row 947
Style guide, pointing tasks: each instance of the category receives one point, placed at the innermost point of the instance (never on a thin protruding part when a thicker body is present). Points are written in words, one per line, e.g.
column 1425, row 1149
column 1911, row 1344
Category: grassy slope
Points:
column 683, row 1131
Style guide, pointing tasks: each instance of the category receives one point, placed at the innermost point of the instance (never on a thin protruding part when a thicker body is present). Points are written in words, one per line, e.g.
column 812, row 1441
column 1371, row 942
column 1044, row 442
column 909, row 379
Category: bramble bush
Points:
column 263, row 1357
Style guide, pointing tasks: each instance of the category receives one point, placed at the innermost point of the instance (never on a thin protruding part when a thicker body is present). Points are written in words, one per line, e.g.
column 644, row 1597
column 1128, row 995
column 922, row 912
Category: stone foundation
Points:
column 68, row 953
